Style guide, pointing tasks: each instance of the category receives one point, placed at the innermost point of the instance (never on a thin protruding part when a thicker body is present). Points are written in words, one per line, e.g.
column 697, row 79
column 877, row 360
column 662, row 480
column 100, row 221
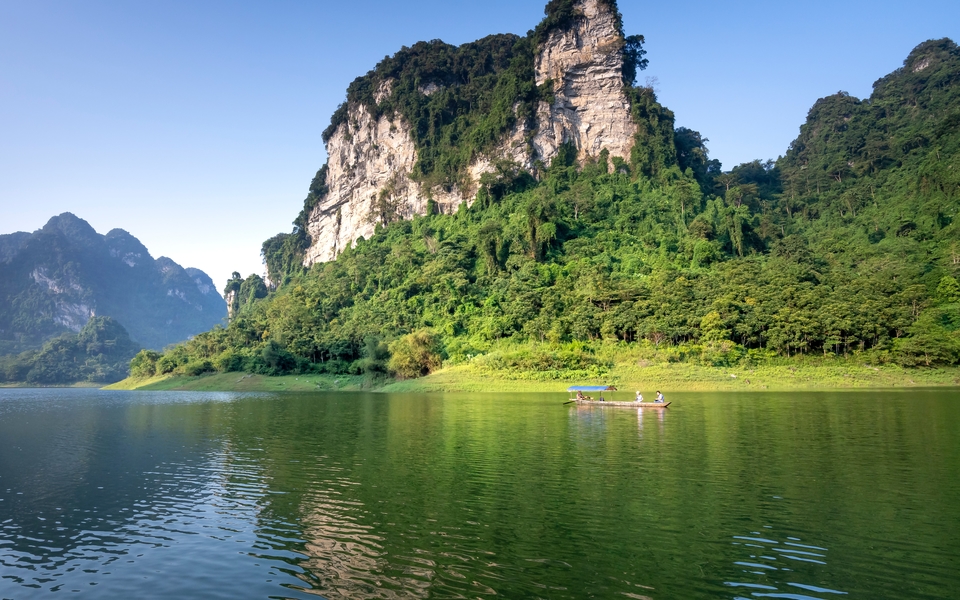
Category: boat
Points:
column 623, row 404
column 588, row 401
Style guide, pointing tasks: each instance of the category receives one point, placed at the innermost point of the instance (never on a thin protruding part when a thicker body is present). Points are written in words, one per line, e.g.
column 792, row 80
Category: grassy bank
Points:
column 648, row 379
column 242, row 382
column 685, row 377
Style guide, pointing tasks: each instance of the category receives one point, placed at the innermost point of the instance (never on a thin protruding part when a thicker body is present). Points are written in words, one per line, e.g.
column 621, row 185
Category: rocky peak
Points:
column 583, row 64
column 60, row 276
column 932, row 64
column 72, row 228
column 127, row 248
column 203, row 281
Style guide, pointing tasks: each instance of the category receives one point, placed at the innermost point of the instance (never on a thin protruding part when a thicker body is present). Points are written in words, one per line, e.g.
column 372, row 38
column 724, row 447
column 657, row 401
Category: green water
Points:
column 787, row 495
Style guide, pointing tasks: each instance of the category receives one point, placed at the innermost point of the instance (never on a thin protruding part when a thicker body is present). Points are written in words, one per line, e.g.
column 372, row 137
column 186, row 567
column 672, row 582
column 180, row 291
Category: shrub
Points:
column 332, row 367
column 277, row 359
column 228, row 362
column 415, row 355
column 195, row 368
column 540, row 358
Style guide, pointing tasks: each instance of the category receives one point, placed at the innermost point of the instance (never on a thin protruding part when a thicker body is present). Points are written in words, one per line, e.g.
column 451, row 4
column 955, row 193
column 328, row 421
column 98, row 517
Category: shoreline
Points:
column 32, row 386
column 668, row 378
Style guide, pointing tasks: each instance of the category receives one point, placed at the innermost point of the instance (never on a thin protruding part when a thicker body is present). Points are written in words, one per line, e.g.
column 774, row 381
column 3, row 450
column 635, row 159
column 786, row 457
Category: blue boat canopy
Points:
column 591, row 388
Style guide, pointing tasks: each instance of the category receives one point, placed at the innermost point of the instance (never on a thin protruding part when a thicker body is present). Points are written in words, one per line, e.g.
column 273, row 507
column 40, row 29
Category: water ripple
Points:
column 357, row 496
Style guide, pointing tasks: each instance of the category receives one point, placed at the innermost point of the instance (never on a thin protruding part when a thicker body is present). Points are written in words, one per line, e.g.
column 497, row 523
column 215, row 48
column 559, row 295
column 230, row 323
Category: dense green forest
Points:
column 100, row 353
column 846, row 247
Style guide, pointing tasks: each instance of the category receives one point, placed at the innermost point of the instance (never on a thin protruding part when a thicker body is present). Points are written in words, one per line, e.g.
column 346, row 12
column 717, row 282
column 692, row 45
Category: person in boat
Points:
column 660, row 398
column 580, row 395
column 639, row 397
column 601, row 397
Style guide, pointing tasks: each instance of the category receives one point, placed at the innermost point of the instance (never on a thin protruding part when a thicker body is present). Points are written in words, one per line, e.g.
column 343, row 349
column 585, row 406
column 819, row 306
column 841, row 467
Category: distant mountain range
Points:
column 54, row 280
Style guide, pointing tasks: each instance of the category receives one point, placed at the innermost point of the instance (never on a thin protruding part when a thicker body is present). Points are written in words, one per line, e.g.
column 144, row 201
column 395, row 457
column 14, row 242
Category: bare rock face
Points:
column 369, row 166
column 371, row 158
column 585, row 65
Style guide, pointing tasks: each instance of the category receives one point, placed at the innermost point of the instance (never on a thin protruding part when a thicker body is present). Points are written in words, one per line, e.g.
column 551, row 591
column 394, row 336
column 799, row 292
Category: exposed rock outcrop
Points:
column 585, row 65
column 371, row 158
column 370, row 162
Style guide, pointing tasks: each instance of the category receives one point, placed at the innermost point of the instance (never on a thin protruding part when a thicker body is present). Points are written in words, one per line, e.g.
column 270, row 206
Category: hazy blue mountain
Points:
column 57, row 278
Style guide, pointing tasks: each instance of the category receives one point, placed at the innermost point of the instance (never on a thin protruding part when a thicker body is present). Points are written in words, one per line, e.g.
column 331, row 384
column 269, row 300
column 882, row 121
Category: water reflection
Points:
column 361, row 496
column 774, row 566
column 659, row 415
column 345, row 557
column 587, row 424
column 595, row 419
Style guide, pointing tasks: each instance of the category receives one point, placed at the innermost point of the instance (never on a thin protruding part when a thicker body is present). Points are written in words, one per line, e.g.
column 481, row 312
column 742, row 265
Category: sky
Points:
column 196, row 126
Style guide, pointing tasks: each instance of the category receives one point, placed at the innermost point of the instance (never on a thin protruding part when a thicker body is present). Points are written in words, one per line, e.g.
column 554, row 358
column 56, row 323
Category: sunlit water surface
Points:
column 813, row 495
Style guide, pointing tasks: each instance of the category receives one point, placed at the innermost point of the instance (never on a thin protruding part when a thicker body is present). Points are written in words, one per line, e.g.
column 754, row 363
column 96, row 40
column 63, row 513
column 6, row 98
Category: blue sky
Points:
column 196, row 126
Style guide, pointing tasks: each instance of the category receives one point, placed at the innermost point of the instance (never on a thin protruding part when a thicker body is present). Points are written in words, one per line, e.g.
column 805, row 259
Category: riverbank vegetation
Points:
column 846, row 249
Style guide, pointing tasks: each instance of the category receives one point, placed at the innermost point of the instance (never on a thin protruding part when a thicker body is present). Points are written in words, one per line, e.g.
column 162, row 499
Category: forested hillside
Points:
column 99, row 353
column 848, row 246
column 52, row 281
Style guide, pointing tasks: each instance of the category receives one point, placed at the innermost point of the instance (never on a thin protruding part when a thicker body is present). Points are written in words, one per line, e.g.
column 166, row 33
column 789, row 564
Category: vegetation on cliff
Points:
column 847, row 246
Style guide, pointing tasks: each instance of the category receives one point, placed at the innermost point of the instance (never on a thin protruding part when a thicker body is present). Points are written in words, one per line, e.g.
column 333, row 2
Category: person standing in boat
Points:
column 639, row 397
column 660, row 398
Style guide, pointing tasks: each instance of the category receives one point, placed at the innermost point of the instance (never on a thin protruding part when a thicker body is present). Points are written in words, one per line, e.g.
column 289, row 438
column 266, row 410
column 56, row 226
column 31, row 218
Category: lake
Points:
column 776, row 495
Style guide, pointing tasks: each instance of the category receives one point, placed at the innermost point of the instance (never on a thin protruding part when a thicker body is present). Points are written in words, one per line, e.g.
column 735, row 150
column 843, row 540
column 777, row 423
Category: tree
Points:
column 948, row 292
column 633, row 58
column 252, row 289
column 692, row 154
column 144, row 364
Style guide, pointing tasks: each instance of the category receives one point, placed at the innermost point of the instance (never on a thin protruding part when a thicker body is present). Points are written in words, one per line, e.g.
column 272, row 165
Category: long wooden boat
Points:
column 624, row 404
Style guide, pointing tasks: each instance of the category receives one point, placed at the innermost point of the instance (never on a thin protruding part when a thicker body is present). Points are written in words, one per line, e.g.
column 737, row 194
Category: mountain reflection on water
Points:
column 114, row 495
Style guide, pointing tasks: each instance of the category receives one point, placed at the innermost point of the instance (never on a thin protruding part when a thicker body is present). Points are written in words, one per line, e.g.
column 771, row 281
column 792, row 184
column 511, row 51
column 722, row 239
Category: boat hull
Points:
column 655, row 405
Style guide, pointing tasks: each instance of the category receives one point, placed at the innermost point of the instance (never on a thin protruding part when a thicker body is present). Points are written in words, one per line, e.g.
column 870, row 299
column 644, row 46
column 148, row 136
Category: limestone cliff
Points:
column 369, row 167
column 371, row 174
column 584, row 64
